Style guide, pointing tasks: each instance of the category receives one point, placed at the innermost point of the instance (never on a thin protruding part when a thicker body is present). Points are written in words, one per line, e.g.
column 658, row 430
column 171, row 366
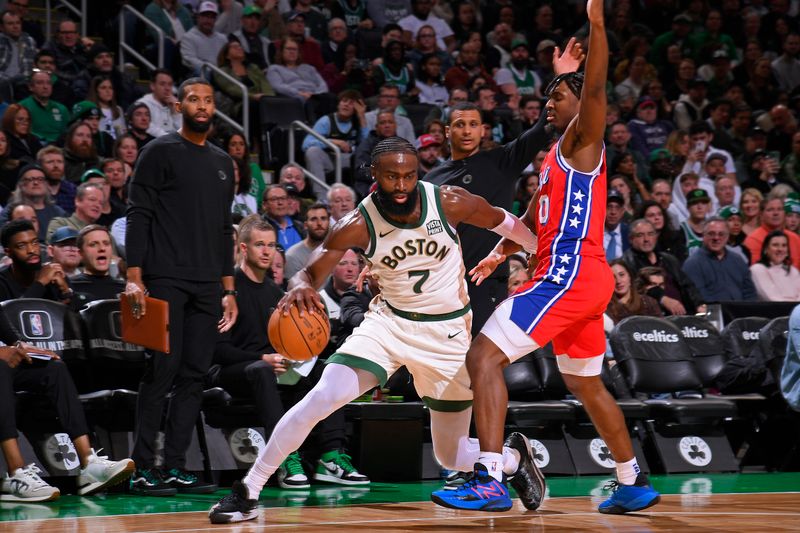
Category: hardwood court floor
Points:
column 747, row 502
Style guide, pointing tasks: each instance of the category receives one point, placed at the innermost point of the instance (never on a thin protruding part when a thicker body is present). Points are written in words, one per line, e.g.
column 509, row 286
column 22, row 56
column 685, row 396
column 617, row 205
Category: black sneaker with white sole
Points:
column 188, row 483
column 149, row 482
column 528, row 480
column 235, row 507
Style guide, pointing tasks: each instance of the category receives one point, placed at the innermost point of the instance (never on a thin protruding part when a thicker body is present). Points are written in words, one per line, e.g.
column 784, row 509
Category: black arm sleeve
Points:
column 227, row 230
column 226, row 353
column 146, row 182
column 520, row 152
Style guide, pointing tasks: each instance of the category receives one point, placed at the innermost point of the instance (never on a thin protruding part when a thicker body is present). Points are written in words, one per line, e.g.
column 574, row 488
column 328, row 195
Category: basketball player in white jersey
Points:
column 420, row 319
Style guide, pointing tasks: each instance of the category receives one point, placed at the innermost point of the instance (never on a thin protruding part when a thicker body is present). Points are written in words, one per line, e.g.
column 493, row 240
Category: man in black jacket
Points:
column 179, row 246
column 679, row 296
column 491, row 174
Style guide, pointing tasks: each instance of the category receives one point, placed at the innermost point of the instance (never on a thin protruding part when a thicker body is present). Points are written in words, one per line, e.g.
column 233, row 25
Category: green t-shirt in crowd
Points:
column 47, row 122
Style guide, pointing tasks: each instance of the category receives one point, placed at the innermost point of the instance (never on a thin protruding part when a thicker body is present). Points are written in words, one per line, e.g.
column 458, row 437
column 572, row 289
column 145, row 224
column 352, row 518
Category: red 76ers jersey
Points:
column 570, row 215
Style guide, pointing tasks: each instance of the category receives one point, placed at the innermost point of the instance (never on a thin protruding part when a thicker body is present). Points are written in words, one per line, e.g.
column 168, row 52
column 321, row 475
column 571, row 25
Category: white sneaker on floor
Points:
column 100, row 473
column 26, row 486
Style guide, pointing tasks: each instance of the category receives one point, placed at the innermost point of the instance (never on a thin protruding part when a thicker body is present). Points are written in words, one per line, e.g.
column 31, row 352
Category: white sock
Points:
column 510, row 461
column 493, row 463
column 628, row 471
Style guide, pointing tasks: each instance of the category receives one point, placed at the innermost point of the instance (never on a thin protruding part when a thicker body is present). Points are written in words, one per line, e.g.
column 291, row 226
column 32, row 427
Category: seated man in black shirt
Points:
column 246, row 365
column 26, row 277
column 95, row 283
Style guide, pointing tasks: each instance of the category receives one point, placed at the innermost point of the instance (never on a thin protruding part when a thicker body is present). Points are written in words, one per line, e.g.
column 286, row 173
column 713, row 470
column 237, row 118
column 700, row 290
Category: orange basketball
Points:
column 299, row 337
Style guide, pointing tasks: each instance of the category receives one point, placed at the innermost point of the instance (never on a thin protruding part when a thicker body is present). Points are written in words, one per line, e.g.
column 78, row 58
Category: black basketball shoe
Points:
column 235, row 507
column 528, row 480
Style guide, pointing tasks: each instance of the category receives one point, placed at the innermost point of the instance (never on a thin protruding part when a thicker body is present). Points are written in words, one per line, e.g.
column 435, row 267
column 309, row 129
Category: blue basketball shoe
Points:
column 481, row 492
column 630, row 498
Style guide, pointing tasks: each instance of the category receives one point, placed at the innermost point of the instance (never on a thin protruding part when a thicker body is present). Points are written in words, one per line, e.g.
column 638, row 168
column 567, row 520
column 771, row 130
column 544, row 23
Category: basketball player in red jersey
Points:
column 565, row 301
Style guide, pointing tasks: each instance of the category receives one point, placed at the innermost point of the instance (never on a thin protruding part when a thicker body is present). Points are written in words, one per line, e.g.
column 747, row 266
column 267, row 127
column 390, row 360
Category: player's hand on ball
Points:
column 277, row 362
column 305, row 298
column 485, row 268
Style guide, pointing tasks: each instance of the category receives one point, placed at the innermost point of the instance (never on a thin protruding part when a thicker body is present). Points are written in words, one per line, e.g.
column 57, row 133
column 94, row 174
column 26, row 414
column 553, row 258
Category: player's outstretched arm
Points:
column 583, row 139
column 348, row 233
column 569, row 60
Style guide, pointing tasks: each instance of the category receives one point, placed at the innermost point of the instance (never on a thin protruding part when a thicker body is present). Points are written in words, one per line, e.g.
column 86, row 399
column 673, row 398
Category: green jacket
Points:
column 47, row 122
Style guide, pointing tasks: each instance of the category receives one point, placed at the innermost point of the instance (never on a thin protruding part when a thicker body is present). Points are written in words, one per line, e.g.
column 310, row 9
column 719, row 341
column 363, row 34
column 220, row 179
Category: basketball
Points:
column 299, row 337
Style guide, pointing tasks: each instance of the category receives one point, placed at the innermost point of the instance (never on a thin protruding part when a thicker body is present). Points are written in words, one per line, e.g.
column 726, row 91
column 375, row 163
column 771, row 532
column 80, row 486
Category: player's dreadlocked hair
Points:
column 392, row 145
column 574, row 81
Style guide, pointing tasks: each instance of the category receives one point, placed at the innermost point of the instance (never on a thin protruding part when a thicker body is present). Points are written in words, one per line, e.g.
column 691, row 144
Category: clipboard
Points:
column 151, row 330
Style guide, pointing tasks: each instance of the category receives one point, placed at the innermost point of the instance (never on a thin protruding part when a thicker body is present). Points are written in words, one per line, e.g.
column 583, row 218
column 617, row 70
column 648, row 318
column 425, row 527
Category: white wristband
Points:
column 512, row 228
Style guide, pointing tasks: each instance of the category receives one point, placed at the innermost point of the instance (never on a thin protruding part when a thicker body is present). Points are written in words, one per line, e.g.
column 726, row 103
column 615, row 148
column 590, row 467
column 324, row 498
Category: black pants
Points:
column 257, row 380
column 194, row 310
column 53, row 380
column 484, row 298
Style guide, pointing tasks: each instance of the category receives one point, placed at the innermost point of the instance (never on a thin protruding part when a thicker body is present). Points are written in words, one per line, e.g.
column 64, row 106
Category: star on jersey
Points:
column 574, row 222
column 557, row 278
column 578, row 196
column 561, row 271
column 577, row 209
column 565, row 258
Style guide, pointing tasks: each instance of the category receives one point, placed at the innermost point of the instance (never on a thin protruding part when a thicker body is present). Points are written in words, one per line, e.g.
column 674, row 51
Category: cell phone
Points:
column 774, row 155
column 39, row 356
column 700, row 146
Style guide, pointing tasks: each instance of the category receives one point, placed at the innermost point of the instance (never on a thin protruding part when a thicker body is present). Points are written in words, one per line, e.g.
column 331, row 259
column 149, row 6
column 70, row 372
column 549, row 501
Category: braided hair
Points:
column 392, row 145
column 574, row 81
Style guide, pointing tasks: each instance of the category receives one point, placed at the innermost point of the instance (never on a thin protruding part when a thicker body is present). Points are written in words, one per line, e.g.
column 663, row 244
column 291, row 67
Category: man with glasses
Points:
column 70, row 50
column 333, row 46
column 275, row 207
column 720, row 276
column 63, row 248
column 389, row 98
column 32, row 190
column 49, row 118
column 17, row 49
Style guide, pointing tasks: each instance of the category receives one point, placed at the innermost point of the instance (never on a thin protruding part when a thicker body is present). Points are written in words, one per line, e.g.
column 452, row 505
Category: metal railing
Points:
column 81, row 13
column 244, row 127
column 125, row 47
column 337, row 153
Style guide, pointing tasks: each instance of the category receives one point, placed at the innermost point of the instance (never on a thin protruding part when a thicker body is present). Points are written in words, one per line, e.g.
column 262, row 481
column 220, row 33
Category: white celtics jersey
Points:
column 418, row 266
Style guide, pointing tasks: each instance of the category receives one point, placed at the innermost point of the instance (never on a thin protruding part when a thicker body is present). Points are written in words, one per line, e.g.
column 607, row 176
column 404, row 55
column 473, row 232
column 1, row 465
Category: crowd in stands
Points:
column 702, row 144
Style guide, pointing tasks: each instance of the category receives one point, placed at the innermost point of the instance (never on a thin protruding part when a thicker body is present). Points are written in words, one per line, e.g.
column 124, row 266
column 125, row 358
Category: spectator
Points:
column 668, row 240
column 51, row 160
column 236, row 146
column 230, row 17
column 161, row 103
column 523, row 192
column 301, row 196
column 292, row 75
column 88, row 113
column 114, row 169
column 750, row 207
column 699, row 204
column 619, row 138
column 202, row 44
column 500, row 41
column 701, row 136
column 792, row 208
column 436, row 128
column 80, row 153
column 711, row 37
column 773, row 218
column 427, row 153
column 429, row 81
column 625, row 180
column 387, row 12
column 345, row 128
column 344, row 275
column 681, row 27
column 761, row 91
column 720, row 276
column 468, row 67
column 616, row 240
column 733, row 216
column 647, row 132
column 354, row 14
column 26, row 277
column 786, row 67
column 255, row 45
column 530, row 109
column 9, row 169
column 308, row 48
column 385, row 127
column 109, row 212
column 231, row 60
column 275, row 206
column 17, row 211
column 394, row 70
column 276, row 269
column 774, row 276
column 790, row 166
column 138, row 120
column 243, row 204
column 70, row 51
column 517, row 273
column 101, row 63
column 63, row 249
column 88, row 207
column 425, row 45
column 627, row 300
column 679, row 296
column 31, row 27
column 96, row 251
column 637, row 74
column 421, row 16
column 662, row 194
column 102, row 94
column 127, row 151
column 17, row 126
column 341, row 200
column 316, row 228
column 741, row 122
column 765, row 172
column 691, row 105
column 780, row 125
column 49, row 118
column 726, row 191
column 18, row 50
column 174, row 19
column 389, row 98
column 31, row 190
column 719, row 75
